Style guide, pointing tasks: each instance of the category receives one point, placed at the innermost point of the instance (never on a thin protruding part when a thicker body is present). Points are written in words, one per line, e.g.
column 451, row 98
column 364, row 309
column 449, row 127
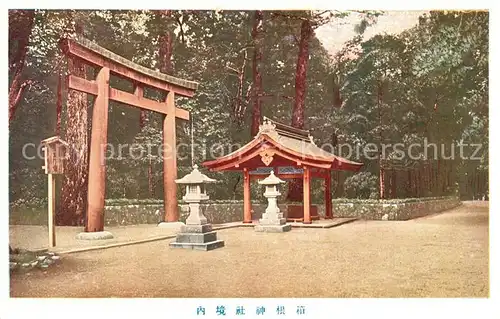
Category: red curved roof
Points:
column 279, row 145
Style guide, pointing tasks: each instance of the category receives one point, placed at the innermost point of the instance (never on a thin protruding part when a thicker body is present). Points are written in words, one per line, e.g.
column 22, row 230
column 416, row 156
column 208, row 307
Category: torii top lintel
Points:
column 94, row 54
column 278, row 145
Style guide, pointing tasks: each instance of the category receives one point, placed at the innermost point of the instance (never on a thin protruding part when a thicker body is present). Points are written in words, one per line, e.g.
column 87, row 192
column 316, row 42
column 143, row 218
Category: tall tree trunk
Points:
column 450, row 177
column 296, row 190
column 240, row 102
column 394, row 188
column 339, row 179
column 20, row 27
column 415, row 183
column 444, row 177
column 423, row 175
column 165, row 43
column 165, row 52
column 431, row 178
column 484, row 185
column 73, row 203
column 75, row 182
column 426, row 179
column 59, row 104
column 435, row 180
column 257, row 35
column 408, row 185
column 306, row 32
column 337, row 98
column 165, row 49
column 439, row 180
column 474, row 183
column 437, row 185
column 478, row 185
column 165, row 46
column 388, row 184
column 150, row 179
column 381, row 172
column 418, row 181
column 380, row 99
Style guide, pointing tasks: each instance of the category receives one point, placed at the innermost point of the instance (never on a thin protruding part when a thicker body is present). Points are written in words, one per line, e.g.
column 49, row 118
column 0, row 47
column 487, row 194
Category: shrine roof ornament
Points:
column 195, row 177
column 277, row 144
column 274, row 128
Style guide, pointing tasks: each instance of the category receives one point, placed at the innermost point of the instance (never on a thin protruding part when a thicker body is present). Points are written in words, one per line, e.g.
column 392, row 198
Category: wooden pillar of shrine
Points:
column 328, row 195
column 247, row 206
column 169, row 161
column 307, row 195
column 97, row 161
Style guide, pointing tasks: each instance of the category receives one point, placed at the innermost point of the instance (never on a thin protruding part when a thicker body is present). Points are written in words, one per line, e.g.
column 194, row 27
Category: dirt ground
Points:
column 444, row 255
column 36, row 237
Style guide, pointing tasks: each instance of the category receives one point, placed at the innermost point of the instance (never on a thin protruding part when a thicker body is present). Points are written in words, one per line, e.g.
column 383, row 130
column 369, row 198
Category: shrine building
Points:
column 292, row 154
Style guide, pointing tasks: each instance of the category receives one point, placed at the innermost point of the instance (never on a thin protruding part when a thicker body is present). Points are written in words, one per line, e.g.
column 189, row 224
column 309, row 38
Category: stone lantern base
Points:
column 272, row 226
column 198, row 237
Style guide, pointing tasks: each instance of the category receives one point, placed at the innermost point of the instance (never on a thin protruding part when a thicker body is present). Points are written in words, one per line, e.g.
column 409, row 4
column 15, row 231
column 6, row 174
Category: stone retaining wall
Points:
column 393, row 209
column 218, row 212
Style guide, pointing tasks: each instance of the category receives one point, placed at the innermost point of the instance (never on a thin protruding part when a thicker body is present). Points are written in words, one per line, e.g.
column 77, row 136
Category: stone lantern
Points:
column 272, row 220
column 197, row 233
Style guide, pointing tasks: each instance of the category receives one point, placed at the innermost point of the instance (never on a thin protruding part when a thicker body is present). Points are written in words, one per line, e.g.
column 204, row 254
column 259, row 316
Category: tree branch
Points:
column 14, row 97
column 179, row 22
column 249, row 89
column 22, row 22
column 233, row 69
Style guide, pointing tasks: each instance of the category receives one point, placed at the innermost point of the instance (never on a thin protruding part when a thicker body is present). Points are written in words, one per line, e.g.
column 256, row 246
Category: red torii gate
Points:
column 110, row 63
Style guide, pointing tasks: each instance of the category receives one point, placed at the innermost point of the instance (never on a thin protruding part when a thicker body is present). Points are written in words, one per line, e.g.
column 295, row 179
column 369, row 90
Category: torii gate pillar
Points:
column 170, row 162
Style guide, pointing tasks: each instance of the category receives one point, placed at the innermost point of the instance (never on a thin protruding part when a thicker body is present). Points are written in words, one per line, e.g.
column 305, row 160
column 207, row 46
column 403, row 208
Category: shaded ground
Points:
column 444, row 255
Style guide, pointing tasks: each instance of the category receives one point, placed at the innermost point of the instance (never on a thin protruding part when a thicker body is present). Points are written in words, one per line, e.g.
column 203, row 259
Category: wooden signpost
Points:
column 55, row 150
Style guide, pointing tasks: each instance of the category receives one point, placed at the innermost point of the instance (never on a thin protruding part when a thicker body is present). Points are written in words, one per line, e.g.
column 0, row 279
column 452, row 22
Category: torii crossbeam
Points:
column 110, row 63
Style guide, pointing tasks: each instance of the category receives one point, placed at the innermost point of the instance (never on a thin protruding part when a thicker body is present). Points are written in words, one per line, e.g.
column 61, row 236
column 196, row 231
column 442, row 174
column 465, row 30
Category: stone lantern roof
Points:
column 195, row 177
column 271, row 180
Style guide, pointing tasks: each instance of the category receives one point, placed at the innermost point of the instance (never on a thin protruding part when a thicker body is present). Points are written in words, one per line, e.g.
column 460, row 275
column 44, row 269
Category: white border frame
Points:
column 315, row 308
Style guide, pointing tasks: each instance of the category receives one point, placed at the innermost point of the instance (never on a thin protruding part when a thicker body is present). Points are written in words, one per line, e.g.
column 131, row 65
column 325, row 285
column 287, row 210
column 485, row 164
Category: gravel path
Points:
column 444, row 255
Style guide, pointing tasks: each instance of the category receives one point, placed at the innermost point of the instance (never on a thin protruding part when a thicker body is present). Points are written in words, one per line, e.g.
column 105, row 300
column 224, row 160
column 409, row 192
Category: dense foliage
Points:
column 429, row 82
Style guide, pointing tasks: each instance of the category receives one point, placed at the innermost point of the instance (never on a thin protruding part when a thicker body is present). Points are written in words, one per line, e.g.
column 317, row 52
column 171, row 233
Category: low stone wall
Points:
column 232, row 211
column 403, row 209
column 133, row 214
column 218, row 212
column 145, row 212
